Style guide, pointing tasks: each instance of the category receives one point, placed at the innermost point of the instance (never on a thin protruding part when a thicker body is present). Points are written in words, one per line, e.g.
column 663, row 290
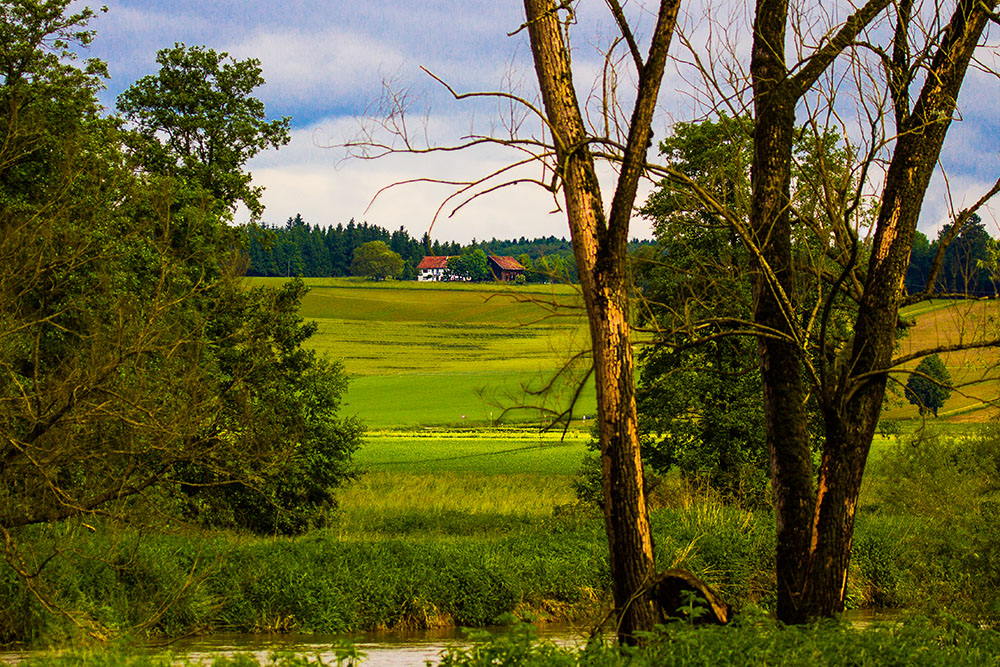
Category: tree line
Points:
column 959, row 262
column 301, row 248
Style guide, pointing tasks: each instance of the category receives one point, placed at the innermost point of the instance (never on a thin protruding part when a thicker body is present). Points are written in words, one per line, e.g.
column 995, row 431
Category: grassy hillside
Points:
column 448, row 353
column 452, row 354
column 947, row 322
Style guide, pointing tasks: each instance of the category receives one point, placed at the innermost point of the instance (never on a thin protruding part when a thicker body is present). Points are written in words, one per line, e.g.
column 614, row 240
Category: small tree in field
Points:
column 929, row 386
column 375, row 260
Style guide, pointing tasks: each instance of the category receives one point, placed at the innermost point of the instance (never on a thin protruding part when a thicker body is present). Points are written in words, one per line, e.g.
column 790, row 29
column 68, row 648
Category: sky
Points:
column 327, row 62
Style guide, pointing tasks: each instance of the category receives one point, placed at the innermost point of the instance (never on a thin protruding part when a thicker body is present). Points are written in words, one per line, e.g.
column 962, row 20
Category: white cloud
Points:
column 319, row 66
column 307, row 178
column 945, row 199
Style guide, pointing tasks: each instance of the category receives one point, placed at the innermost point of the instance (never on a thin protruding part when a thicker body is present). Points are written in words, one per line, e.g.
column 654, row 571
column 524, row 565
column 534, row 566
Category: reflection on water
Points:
column 381, row 649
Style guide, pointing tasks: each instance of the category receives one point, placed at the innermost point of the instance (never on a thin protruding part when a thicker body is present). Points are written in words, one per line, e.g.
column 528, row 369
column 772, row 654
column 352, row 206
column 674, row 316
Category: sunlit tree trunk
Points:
column 599, row 244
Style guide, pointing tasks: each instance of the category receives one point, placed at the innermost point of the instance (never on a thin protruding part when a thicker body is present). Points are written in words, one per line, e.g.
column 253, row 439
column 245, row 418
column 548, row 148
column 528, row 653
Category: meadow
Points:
column 466, row 522
column 945, row 322
column 473, row 355
column 422, row 354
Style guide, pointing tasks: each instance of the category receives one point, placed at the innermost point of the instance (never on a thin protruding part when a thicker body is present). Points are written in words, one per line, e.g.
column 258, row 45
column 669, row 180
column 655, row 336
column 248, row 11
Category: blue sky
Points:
column 325, row 61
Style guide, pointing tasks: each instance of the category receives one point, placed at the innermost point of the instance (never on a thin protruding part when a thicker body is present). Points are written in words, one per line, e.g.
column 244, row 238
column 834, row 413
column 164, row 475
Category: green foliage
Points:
column 753, row 641
column 138, row 377
column 929, row 386
column 700, row 394
column 967, row 266
column 321, row 583
column 197, row 120
column 281, row 402
column 411, row 549
column 472, row 265
column 376, row 260
column 699, row 405
column 944, row 492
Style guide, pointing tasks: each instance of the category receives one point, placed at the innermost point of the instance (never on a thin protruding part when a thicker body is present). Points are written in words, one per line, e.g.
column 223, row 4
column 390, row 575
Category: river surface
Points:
column 381, row 649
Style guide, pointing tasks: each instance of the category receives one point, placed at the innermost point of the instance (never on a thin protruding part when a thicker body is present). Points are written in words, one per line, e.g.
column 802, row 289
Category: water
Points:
column 385, row 649
column 381, row 649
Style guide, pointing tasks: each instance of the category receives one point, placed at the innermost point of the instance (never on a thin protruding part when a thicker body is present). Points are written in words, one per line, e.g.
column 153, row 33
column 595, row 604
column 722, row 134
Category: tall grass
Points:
column 412, row 548
column 751, row 641
column 465, row 561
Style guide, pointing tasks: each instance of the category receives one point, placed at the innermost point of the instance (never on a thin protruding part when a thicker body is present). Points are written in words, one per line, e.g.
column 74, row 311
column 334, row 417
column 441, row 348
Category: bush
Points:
column 945, row 490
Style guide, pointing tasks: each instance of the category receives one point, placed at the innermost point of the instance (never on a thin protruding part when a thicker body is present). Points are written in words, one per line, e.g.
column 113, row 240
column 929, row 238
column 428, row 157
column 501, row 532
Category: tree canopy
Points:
column 197, row 119
column 471, row 265
column 138, row 374
column 957, row 263
column 929, row 386
column 376, row 260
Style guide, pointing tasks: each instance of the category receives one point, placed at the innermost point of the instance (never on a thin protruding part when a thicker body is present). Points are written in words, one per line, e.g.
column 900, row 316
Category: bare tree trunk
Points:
column 774, row 287
column 853, row 412
column 599, row 245
column 816, row 526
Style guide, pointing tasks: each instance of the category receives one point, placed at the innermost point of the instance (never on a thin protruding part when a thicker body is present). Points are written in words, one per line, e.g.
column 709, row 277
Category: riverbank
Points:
column 751, row 640
column 450, row 569
column 484, row 540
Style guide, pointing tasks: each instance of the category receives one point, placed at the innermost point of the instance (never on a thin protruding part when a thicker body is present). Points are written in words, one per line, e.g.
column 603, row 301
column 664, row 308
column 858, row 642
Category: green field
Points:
column 498, row 452
column 437, row 479
column 974, row 372
column 449, row 353
column 459, row 354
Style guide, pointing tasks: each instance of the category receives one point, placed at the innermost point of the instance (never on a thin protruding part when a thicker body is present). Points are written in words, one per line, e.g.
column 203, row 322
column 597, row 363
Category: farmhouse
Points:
column 505, row 269
column 435, row 269
column 432, row 269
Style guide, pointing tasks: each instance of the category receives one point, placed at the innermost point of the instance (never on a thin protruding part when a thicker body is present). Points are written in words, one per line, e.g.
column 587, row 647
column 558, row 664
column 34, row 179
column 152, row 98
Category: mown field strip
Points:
column 486, row 452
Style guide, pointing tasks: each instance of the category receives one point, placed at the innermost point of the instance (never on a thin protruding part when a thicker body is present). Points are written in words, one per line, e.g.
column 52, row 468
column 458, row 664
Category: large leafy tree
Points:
column 700, row 388
column 699, row 393
column 957, row 263
column 471, row 265
column 134, row 366
column 376, row 260
column 197, row 119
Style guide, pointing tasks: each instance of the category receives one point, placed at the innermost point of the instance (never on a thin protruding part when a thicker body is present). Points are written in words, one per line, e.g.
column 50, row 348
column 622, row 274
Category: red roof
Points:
column 433, row 263
column 507, row 263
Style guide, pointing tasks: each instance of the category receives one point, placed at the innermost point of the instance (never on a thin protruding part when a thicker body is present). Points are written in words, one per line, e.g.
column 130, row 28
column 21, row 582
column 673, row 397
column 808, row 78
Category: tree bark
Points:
column 599, row 245
column 774, row 311
column 852, row 408
column 816, row 525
